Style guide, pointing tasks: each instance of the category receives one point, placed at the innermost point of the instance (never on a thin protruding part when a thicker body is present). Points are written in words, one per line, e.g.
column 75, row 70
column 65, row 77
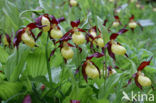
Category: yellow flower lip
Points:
column 144, row 81
column 56, row 33
column 78, row 38
column 45, row 21
column 67, row 52
column 118, row 49
column 28, row 40
column 73, row 3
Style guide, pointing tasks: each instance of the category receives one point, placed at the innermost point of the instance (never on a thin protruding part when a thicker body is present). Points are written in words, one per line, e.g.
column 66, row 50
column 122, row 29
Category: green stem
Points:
column 17, row 56
column 48, row 64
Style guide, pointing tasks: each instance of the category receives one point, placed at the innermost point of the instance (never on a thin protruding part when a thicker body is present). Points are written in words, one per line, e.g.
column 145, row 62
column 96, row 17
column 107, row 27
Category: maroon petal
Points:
column 81, row 30
column 74, row 101
column 111, row 54
column 39, row 34
column 70, row 45
column 144, row 64
column 32, row 26
column 83, row 71
column 136, row 81
column 131, row 18
column 38, row 21
column 54, row 21
column 96, row 67
column 61, row 19
column 116, row 17
column 32, row 34
column 90, row 36
column 17, row 38
column 8, row 39
column 121, row 31
column 114, row 36
column 105, row 22
column 27, row 99
column 75, row 23
column 96, row 55
column 66, row 36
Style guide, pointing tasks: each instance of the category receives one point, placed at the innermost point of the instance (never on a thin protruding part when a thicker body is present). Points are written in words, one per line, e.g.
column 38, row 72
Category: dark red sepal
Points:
column 66, row 36
column 116, row 17
column 8, row 39
column 27, row 99
column 111, row 54
column 39, row 34
column 32, row 26
column 105, row 22
column 54, row 21
column 81, row 30
column 84, row 71
column 61, row 19
column 75, row 23
column 96, row 68
column 32, row 34
column 96, row 55
column 17, row 38
column 131, row 18
column 123, row 30
column 70, row 45
column 114, row 36
column 136, row 81
column 74, row 101
column 38, row 21
column 144, row 64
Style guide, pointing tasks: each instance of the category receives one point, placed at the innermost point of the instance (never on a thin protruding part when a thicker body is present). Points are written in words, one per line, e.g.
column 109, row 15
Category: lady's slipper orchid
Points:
column 56, row 32
column 66, row 50
column 26, row 35
column 75, row 33
column 89, row 69
column 117, row 22
column 114, row 47
column 49, row 23
column 44, row 22
column 133, row 24
column 140, row 79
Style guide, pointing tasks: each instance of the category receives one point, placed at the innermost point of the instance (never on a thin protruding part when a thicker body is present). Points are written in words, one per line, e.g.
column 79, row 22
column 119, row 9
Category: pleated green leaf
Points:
column 3, row 55
column 8, row 89
column 36, row 64
column 16, row 62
